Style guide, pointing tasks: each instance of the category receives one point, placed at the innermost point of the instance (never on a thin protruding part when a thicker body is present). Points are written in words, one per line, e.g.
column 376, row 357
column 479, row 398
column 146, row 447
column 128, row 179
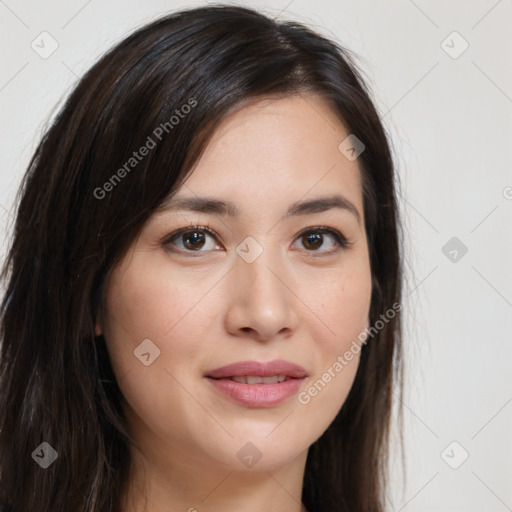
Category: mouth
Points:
column 256, row 384
column 256, row 379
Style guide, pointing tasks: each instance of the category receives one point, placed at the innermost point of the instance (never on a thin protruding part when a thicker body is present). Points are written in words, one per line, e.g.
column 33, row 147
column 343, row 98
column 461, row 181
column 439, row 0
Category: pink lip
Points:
column 257, row 395
column 243, row 368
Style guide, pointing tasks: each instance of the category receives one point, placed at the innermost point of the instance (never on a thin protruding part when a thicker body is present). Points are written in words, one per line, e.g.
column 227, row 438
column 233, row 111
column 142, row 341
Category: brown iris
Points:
column 313, row 240
column 196, row 237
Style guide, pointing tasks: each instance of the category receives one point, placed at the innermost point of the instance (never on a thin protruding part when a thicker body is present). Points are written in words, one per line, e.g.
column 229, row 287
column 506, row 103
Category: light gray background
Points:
column 450, row 123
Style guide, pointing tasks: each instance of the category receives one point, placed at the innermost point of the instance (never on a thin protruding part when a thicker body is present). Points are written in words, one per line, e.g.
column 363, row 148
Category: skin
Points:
column 206, row 311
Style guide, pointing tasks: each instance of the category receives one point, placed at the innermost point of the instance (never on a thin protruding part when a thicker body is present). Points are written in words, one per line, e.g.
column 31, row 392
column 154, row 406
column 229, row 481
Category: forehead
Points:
column 275, row 150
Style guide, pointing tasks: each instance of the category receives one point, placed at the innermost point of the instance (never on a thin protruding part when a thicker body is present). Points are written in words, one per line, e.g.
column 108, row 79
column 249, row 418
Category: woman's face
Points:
column 268, row 280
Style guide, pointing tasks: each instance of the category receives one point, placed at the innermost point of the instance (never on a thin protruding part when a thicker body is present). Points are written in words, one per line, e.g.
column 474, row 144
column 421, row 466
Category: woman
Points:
column 202, row 292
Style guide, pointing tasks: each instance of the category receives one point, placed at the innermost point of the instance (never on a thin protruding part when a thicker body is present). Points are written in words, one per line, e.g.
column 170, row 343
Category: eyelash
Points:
column 339, row 238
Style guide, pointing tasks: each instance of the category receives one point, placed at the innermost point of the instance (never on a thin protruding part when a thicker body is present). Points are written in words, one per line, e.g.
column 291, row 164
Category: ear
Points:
column 98, row 330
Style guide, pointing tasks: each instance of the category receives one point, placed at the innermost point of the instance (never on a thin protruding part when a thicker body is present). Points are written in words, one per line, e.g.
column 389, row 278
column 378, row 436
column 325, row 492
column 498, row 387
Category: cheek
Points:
column 149, row 302
column 343, row 304
column 154, row 305
column 338, row 348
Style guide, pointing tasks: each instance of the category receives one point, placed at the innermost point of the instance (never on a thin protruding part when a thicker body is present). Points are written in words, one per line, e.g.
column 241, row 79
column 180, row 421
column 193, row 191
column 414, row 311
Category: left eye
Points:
column 194, row 239
column 314, row 238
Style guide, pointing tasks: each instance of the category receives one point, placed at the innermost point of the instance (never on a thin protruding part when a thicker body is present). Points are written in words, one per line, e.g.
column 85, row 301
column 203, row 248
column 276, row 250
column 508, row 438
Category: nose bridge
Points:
column 259, row 276
column 261, row 300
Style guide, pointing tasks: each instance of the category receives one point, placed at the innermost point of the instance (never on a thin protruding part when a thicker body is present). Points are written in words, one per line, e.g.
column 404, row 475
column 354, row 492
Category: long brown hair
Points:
column 78, row 212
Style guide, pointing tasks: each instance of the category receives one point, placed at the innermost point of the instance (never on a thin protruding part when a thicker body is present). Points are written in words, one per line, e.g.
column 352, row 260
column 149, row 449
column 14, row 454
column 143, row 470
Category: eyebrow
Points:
column 227, row 208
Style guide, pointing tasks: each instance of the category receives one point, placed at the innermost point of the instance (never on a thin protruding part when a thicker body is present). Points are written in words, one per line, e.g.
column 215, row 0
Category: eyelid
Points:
column 342, row 241
column 199, row 227
column 168, row 239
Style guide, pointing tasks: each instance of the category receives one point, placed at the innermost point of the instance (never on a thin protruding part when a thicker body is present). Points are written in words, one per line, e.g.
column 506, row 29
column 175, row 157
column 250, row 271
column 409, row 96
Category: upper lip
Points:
column 261, row 369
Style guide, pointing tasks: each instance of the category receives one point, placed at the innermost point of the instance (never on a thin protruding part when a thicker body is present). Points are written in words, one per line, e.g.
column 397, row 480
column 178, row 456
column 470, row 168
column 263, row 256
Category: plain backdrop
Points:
column 442, row 80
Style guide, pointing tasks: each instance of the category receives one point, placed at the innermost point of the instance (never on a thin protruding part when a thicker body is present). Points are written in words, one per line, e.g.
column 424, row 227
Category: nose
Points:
column 262, row 303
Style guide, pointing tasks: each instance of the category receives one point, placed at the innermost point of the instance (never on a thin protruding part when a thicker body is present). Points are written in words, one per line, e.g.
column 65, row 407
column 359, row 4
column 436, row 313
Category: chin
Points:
column 258, row 448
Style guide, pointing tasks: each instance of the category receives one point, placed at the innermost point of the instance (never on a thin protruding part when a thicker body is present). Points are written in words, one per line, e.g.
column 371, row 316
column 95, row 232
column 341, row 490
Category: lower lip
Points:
column 257, row 395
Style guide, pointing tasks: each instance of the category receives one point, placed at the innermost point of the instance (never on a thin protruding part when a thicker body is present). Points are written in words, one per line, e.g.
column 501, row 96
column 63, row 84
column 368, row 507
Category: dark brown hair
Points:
column 77, row 213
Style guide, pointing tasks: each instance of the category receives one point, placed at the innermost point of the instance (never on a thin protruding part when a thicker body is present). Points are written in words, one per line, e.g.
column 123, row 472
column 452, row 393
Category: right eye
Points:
column 192, row 239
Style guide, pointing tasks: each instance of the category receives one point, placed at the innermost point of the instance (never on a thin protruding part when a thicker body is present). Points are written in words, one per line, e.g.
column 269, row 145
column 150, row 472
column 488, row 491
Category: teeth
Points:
column 252, row 379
